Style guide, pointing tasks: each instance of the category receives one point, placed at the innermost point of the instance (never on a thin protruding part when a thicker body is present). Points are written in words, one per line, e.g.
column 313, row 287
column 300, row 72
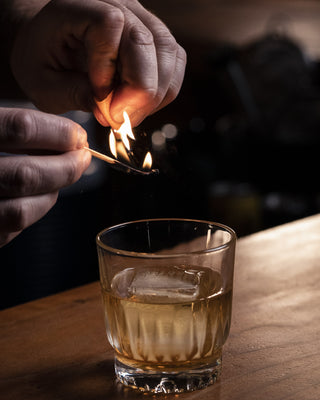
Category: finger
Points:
column 23, row 129
column 170, row 59
column 29, row 175
column 18, row 214
column 138, row 81
column 56, row 37
column 98, row 27
column 176, row 80
column 167, row 50
column 102, row 42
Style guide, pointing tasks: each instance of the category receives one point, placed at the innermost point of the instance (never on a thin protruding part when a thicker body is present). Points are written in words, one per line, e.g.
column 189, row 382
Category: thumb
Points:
column 102, row 42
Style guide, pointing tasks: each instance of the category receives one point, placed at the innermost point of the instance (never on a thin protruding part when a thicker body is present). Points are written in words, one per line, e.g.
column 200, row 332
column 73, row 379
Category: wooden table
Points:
column 55, row 348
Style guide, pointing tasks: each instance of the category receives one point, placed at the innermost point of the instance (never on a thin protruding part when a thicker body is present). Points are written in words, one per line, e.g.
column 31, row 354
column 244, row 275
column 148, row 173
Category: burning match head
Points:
column 120, row 146
column 121, row 166
column 151, row 172
column 132, row 170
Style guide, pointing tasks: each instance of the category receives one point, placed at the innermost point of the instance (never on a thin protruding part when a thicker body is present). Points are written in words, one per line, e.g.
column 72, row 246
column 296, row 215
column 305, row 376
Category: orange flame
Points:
column 119, row 142
column 147, row 163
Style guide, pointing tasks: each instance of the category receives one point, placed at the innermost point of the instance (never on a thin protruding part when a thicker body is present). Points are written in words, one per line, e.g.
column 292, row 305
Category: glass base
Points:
column 168, row 382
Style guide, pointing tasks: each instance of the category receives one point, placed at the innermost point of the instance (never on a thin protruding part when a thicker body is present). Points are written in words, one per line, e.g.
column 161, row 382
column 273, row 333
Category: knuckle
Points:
column 21, row 129
column 106, row 17
column 115, row 17
column 165, row 40
column 26, row 178
column 140, row 35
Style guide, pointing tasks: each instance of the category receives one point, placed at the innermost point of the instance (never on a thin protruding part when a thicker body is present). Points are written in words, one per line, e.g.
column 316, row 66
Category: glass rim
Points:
column 137, row 254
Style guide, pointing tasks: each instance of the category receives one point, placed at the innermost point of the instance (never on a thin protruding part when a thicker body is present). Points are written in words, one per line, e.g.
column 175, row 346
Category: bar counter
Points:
column 55, row 348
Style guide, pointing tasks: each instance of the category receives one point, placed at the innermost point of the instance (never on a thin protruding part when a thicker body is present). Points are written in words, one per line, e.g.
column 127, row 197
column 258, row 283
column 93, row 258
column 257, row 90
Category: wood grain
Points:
column 56, row 348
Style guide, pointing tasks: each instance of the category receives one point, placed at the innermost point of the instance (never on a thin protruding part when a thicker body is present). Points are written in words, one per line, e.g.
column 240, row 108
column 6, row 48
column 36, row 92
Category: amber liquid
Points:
column 173, row 317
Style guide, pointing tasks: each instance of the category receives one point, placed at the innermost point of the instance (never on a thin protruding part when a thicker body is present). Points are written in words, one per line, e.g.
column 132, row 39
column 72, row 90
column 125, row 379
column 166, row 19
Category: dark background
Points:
column 245, row 154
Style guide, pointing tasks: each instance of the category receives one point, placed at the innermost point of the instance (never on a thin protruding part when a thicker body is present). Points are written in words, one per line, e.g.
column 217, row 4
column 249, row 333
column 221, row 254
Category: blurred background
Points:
column 239, row 145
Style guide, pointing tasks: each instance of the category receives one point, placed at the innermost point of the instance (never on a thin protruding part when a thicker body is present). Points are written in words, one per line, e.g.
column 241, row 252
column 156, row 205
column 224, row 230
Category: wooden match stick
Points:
column 103, row 157
column 118, row 164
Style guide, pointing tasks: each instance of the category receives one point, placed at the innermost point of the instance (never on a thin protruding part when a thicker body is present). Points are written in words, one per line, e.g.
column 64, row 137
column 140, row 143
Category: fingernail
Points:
column 102, row 111
column 100, row 118
column 82, row 138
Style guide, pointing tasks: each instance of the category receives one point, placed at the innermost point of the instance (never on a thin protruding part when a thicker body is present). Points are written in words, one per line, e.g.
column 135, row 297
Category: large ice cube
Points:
column 166, row 284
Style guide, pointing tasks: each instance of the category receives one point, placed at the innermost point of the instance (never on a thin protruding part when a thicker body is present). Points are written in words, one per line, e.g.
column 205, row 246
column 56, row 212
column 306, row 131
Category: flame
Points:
column 147, row 163
column 125, row 131
column 112, row 144
column 120, row 137
column 119, row 143
column 122, row 152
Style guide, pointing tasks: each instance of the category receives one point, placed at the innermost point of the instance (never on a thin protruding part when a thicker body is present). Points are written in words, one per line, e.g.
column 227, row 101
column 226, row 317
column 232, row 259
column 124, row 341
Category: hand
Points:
column 74, row 54
column 29, row 184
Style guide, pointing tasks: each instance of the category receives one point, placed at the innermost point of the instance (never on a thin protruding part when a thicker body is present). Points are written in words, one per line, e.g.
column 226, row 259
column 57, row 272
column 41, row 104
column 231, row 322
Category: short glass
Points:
column 167, row 295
